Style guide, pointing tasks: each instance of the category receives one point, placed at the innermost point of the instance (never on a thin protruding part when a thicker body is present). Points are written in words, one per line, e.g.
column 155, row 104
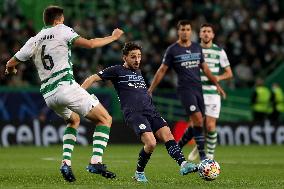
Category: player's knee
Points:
column 106, row 120
column 198, row 122
column 151, row 145
column 210, row 127
column 166, row 136
column 74, row 121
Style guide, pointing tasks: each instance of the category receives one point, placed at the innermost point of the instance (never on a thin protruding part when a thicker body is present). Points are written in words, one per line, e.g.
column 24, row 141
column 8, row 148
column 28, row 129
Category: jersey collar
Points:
column 48, row 26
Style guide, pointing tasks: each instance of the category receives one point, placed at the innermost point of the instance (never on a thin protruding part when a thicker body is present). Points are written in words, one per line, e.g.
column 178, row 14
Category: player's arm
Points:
column 158, row 77
column 11, row 66
column 90, row 80
column 227, row 74
column 98, row 42
column 225, row 64
column 213, row 79
column 24, row 54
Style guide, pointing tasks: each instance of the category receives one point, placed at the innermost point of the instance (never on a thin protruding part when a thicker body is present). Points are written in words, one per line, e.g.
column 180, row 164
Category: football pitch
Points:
column 241, row 167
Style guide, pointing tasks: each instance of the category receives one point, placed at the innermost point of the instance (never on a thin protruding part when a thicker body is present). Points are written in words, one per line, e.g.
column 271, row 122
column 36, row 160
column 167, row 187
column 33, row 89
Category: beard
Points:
column 206, row 40
column 184, row 40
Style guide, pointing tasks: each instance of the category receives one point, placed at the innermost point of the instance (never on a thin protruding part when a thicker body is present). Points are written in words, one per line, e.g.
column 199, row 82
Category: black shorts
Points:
column 192, row 100
column 145, row 122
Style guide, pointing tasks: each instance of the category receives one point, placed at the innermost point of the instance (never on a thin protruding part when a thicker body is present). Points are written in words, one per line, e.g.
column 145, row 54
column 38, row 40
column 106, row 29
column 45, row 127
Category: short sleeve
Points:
column 224, row 61
column 69, row 34
column 27, row 51
column 168, row 57
column 109, row 73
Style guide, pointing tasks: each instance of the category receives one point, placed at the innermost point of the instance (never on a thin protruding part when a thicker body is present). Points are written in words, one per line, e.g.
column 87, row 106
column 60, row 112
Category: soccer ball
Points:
column 209, row 169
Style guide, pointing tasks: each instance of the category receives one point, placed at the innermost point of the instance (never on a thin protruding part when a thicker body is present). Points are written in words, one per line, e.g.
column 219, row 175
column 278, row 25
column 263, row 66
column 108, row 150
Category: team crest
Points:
column 192, row 108
column 142, row 126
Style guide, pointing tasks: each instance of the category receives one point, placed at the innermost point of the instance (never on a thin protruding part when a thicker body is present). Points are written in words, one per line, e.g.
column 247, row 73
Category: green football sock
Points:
column 211, row 142
column 69, row 140
column 100, row 140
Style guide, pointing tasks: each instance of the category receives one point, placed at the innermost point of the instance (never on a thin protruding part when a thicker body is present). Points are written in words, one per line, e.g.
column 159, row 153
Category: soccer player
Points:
column 186, row 58
column 139, row 111
column 50, row 50
column 217, row 60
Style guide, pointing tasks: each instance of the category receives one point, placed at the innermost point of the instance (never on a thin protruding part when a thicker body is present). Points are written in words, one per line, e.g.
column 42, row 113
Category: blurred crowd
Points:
column 251, row 32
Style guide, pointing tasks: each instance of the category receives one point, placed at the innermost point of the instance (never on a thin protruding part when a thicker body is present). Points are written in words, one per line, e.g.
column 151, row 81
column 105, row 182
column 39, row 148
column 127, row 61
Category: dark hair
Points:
column 130, row 46
column 208, row 25
column 51, row 13
column 183, row 23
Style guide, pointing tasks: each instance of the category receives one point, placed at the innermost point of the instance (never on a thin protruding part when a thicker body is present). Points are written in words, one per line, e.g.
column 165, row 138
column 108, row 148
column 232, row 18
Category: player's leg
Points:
column 187, row 136
column 69, row 140
column 212, row 112
column 164, row 135
column 149, row 141
column 141, row 126
column 198, row 135
column 80, row 101
column 103, row 120
column 193, row 102
column 69, row 137
column 211, row 136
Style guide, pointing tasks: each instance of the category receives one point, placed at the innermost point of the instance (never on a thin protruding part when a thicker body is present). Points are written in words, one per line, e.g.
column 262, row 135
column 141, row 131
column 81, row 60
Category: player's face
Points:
column 133, row 59
column 206, row 34
column 184, row 33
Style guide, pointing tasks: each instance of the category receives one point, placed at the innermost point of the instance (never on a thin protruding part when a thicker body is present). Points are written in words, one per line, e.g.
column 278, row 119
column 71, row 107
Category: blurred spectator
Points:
column 253, row 39
column 278, row 102
column 261, row 101
column 243, row 74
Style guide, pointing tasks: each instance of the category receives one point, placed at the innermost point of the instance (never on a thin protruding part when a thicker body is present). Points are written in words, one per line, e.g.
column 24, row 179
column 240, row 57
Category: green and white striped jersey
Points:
column 216, row 58
column 50, row 50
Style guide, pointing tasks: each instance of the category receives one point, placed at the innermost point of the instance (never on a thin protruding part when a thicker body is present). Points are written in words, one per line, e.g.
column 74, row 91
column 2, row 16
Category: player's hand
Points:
column 217, row 78
column 221, row 91
column 117, row 33
column 10, row 70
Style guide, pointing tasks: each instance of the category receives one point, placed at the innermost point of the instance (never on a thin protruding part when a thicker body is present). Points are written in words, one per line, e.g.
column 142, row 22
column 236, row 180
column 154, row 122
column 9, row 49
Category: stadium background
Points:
column 253, row 41
column 251, row 32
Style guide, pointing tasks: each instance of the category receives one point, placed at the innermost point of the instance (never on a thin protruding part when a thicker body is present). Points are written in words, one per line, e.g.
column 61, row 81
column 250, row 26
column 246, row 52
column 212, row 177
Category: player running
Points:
column 139, row 111
column 186, row 58
column 50, row 50
column 217, row 60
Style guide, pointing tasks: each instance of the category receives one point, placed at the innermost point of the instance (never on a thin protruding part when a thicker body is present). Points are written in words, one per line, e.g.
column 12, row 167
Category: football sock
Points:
column 211, row 141
column 142, row 160
column 199, row 140
column 174, row 151
column 187, row 136
column 69, row 140
column 100, row 139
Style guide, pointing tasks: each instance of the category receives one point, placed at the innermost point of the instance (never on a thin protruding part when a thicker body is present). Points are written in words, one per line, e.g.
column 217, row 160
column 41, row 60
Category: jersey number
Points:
column 45, row 59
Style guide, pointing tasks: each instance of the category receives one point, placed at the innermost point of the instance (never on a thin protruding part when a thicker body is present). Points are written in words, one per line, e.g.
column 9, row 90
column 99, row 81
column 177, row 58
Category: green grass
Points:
column 241, row 167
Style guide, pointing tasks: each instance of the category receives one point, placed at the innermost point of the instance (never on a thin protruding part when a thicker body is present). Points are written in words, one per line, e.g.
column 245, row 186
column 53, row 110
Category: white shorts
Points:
column 70, row 98
column 212, row 105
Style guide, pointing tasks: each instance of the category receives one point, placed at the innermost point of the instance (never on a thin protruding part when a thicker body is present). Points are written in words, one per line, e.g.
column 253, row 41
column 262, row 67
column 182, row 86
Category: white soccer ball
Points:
column 209, row 169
